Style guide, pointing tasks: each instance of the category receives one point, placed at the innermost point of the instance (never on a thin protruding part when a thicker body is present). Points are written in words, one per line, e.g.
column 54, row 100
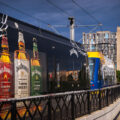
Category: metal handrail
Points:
column 67, row 105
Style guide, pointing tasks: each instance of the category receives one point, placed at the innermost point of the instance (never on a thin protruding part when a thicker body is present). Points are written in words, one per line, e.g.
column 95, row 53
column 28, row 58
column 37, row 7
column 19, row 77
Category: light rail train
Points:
column 101, row 69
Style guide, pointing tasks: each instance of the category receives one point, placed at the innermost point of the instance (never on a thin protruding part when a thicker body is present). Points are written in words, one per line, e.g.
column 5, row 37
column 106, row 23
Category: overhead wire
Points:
column 60, row 9
column 72, row 42
column 89, row 14
column 24, row 13
column 66, row 13
column 29, row 15
column 38, row 20
column 52, row 3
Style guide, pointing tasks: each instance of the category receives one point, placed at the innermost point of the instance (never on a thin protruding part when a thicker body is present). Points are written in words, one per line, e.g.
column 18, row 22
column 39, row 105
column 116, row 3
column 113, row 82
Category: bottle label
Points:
column 6, row 80
column 36, row 80
column 22, row 78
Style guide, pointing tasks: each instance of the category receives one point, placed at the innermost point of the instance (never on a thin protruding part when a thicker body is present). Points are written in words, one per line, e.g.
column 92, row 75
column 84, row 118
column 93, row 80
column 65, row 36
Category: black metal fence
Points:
column 60, row 106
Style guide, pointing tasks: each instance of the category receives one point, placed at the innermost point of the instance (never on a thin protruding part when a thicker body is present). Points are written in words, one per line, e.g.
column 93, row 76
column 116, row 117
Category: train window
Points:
column 92, row 45
column 92, row 66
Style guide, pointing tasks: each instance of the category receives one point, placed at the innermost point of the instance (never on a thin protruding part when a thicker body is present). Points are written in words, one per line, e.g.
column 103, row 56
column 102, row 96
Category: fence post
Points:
column 88, row 102
column 107, row 95
column 49, row 108
column 72, row 107
column 118, row 93
column 115, row 93
column 112, row 96
column 13, row 110
column 99, row 99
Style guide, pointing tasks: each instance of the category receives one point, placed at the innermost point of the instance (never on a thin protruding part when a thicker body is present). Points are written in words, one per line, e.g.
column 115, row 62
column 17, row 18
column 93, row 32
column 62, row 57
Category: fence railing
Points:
column 59, row 106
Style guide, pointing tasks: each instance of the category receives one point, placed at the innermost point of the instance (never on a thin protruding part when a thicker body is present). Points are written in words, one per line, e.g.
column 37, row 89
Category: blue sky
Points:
column 105, row 11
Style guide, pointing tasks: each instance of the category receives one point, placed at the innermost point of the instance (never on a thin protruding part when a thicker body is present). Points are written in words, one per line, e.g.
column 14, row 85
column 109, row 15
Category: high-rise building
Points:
column 118, row 48
column 103, row 41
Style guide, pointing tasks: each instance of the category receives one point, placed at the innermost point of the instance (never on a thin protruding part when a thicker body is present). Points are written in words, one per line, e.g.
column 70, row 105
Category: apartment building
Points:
column 118, row 48
column 103, row 41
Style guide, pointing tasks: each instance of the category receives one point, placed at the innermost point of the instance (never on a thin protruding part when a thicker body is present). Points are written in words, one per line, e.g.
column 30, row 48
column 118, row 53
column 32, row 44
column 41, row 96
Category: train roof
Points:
column 95, row 54
column 104, row 60
column 46, row 39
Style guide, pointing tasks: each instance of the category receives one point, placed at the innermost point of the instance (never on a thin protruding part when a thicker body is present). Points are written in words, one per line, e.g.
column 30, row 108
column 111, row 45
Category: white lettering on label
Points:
column 5, row 69
column 22, row 78
column 36, row 72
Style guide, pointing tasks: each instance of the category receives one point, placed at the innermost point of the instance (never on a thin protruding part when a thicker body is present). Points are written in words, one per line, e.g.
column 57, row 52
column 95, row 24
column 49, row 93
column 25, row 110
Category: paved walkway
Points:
column 107, row 113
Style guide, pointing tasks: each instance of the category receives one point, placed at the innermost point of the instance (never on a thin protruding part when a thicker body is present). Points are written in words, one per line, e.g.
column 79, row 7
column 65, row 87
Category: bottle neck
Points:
column 5, row 50
column 4, row 45
column 35, row 54
column 21, row 46
column 35, row 50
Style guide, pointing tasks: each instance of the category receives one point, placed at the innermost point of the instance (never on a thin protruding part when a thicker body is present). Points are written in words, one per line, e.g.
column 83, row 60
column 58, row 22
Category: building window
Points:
column 106, row 35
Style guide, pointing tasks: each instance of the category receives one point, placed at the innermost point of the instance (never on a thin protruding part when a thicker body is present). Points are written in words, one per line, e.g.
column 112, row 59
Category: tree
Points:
column 118, row 76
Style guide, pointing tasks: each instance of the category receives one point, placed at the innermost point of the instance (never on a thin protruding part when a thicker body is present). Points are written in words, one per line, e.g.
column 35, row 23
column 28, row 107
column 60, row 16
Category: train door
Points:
column 94, row 65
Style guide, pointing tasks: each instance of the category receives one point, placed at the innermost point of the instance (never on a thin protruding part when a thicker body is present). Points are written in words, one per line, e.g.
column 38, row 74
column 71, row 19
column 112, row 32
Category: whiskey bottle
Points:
column 6, row 71
column 36, row 73
column 22, row 69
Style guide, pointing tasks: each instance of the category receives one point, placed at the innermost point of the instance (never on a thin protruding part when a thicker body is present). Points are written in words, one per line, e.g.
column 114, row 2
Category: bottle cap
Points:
column 34, row 39
column 35, row 44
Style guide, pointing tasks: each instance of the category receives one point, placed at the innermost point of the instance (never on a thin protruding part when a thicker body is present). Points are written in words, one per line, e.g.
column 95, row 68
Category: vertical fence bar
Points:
column 88, row 102
column 99, row 99
column 107, row 95
column 115, row 93
column 72, row 107
column 118, row 91
column 49, row 108
column 13, row 110
column 112, row 95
